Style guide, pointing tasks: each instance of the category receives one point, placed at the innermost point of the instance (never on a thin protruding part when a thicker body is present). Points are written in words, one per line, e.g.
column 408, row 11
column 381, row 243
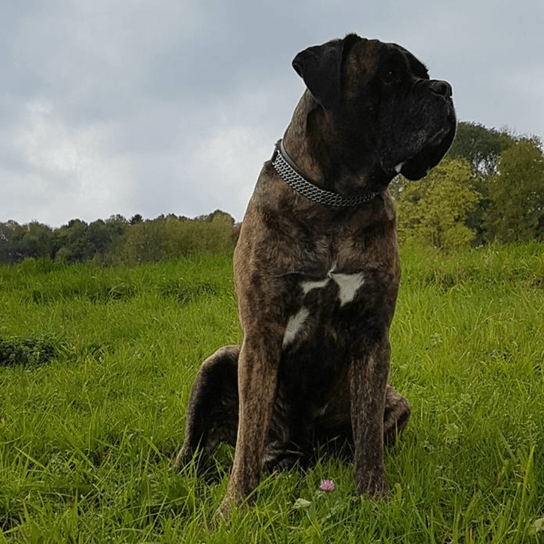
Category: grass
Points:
column 96, row 366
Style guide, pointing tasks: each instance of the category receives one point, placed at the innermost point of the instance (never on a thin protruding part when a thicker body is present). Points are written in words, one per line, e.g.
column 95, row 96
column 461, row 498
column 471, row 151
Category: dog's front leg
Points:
column 257, row 383
column 368, row 382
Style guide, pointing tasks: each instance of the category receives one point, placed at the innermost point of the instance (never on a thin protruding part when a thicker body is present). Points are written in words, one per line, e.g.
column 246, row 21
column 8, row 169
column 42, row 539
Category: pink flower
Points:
column 327, row 486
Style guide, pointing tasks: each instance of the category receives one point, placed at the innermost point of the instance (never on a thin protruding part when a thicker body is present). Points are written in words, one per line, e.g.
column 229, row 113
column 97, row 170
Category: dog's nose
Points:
column 441, row 87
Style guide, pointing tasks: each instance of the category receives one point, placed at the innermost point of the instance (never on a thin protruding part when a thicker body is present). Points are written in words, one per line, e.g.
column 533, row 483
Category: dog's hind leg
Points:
column 334, row 433
column 212, row 414
column 396, row 416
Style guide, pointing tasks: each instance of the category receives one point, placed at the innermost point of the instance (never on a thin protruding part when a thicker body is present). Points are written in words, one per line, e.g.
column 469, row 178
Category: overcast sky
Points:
column 172, row 106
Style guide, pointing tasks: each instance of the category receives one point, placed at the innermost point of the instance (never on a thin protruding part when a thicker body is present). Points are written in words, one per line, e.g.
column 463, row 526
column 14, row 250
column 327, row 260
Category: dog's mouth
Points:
column 417, row 166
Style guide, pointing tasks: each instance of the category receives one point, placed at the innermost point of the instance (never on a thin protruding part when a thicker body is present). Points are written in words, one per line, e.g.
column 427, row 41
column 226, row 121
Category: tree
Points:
column 71, row 241
column 143, row 243
column 32, row 240
column 218, row 216
column 10, row 235
column 38, row 241
column 481, row 146
column 434, row 210
column 516, row 193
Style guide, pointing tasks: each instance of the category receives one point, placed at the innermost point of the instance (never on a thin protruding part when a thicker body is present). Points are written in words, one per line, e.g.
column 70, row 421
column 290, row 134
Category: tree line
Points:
column 117, row 240
column 489, row 188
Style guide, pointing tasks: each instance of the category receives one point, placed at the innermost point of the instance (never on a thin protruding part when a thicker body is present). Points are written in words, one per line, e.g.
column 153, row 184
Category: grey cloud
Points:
column 173, row 106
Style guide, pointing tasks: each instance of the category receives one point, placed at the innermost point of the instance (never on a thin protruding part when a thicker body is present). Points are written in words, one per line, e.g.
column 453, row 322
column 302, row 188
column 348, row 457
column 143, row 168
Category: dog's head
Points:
column 385, row 115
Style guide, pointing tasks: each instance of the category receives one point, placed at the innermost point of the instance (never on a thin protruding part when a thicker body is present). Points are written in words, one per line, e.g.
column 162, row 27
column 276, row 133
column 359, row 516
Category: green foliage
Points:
column 497, row 193
column 480, row 146
column 163, row 238
column 516, row 193
column 79, row 242
column 87, row 440
column 32, row 350
column 117, row 240
column 434, row 211
column 17, row 242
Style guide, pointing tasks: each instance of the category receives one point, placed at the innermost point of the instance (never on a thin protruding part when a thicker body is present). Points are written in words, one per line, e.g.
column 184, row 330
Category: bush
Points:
column 164, row 238
column 434, row 211
column 32, row 350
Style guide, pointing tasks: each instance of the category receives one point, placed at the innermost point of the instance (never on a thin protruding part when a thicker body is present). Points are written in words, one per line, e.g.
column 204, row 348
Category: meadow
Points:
column 96, row 365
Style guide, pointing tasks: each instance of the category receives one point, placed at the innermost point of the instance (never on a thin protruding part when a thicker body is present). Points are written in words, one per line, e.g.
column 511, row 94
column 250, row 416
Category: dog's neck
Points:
column 291, row 175
column 297, row 142
column 312, row 143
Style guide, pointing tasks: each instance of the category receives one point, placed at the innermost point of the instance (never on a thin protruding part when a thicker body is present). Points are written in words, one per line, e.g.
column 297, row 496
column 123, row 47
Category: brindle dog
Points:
column 317, row 271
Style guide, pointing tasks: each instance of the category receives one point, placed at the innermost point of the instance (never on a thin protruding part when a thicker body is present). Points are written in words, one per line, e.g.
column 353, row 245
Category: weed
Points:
column 31, row 350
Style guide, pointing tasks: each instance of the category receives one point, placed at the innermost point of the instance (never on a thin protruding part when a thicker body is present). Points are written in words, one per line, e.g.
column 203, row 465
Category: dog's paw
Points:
column 372, row 486
column 286, row 462
column 224, row 513
column 396, row 416
column 232, row 502
column 187, row 458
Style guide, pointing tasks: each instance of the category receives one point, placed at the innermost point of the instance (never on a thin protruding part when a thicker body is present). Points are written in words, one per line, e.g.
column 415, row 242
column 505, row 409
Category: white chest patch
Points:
column 294, row 324
column 308, row 286
column 349, row 284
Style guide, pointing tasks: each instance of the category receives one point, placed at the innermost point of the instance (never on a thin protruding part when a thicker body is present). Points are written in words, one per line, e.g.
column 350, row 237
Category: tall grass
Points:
column 88, row 432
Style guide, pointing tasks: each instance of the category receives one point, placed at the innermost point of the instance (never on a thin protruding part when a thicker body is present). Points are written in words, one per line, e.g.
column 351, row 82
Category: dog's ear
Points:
column 320, row 67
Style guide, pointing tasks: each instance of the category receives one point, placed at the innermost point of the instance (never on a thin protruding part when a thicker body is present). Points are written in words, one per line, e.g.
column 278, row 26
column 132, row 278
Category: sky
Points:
column 154, row 107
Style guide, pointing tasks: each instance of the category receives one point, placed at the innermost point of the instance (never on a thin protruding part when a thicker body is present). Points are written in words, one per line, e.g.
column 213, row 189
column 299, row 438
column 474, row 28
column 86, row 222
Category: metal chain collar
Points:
column 285, row 168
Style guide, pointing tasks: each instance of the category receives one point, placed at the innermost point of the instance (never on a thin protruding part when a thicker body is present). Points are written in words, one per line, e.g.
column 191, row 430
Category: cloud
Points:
column 68, row 169
column 232, row 157
column 150, row 107
column 526, row 84
column 219, row 153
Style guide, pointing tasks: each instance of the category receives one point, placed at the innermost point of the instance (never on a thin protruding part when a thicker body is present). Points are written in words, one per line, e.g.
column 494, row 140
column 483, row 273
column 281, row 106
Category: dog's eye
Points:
column 389, row 78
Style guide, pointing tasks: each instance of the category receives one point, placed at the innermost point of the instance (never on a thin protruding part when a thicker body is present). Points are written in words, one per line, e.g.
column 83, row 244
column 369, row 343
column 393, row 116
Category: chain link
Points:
column 309, row 190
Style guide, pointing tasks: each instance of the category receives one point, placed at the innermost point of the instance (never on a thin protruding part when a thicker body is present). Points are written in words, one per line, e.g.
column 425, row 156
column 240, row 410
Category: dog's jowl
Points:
column 317, row 271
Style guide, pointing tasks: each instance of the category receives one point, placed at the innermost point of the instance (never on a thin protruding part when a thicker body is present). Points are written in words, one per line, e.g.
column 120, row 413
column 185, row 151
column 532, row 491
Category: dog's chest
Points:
column 320, row 302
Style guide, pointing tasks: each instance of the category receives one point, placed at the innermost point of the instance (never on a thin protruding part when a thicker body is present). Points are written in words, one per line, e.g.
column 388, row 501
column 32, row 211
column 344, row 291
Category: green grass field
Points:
column 96, row 366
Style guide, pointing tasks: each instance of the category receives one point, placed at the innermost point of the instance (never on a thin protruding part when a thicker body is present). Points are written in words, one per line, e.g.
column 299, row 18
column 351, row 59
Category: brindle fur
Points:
column 275, row 403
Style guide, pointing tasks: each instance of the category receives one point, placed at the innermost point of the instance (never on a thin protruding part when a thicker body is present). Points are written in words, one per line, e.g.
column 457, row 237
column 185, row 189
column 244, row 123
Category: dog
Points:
column 316, row 271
